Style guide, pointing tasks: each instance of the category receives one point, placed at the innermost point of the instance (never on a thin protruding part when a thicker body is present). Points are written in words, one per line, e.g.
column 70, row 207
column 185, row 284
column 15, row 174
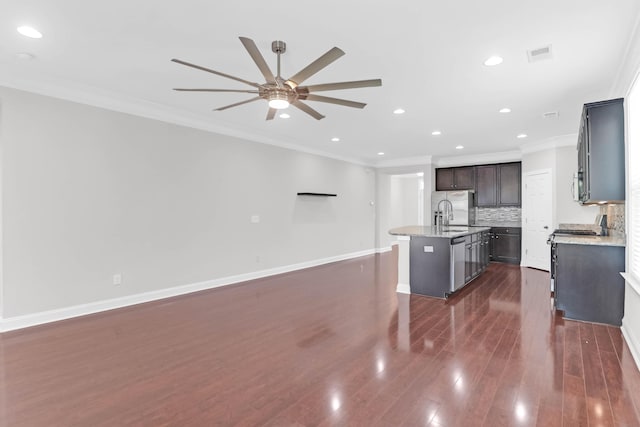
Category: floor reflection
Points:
column 501, row 334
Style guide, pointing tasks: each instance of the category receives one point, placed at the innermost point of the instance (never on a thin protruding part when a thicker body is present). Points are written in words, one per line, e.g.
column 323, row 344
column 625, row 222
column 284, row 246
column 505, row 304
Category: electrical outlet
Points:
column 255, row 219
column 117, row 279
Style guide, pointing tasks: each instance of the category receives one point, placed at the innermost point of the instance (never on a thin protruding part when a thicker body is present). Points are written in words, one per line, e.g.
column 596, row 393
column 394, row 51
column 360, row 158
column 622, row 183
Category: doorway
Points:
column 538, row 219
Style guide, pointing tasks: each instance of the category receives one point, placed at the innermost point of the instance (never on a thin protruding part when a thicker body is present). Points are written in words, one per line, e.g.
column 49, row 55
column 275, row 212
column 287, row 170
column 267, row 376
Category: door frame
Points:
column 524, row 261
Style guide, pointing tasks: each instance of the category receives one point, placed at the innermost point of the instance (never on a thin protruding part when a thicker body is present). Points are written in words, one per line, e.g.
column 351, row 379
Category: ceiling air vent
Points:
column 539, row 54
column 550, row 115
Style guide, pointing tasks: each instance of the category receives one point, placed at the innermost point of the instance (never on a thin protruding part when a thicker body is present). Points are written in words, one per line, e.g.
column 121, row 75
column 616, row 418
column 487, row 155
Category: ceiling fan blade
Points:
column 238, row 103
column 317, row 65
column 271, row 113
column 310, row 111
column 215, row 90
column 311, row 97
column 258, row 59
column 208, row 70
column 341, row 85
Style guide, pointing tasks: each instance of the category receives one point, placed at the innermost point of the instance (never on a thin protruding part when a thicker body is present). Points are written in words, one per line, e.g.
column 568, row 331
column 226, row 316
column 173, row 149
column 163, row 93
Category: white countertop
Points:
column 433, row 231
column 591, row 240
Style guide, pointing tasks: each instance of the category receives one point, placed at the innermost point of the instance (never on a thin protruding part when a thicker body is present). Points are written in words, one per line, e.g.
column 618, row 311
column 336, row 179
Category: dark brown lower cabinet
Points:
column 505, row 244
column 587, row 283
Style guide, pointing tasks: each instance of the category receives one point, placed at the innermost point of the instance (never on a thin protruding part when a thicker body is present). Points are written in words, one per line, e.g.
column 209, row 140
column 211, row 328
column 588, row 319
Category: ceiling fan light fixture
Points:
column 278, row 100
column 279, row 104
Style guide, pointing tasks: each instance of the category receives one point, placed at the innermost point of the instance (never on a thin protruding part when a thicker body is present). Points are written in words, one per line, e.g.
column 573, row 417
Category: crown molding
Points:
column 113, row 101
column 569, row 140
column 629, row 66
column 406, row 161
column 477, row 159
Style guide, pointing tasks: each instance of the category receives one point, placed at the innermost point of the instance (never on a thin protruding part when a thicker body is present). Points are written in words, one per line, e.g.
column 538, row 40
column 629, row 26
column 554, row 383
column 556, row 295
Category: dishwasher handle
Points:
column 457, row 240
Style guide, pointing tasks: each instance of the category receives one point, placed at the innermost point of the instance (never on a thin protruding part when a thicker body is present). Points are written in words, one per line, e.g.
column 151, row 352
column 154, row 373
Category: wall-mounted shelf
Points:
column 318, row 194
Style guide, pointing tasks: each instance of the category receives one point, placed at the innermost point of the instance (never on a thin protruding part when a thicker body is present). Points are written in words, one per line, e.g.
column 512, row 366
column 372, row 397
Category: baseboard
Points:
column 634, row 346
column 19, row 322
column 403, row 288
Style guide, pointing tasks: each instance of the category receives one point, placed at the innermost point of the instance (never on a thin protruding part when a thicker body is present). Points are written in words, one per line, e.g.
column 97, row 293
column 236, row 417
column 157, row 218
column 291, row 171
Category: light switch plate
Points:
column 428, row 248
column 255, row 219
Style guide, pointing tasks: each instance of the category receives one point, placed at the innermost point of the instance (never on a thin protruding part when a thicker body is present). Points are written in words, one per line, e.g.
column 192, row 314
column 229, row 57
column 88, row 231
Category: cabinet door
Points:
column 468, row 263
column 476, row 258
column 506, row 248
column 582, row 161
column 509, row 188
column 463, row 178
column 486, row 185
column 605, row 151
column 588, row 285
column 444, row 179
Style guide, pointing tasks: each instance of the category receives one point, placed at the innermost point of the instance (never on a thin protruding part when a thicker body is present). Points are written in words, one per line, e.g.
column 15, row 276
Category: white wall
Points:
column 396, row 199
column 405, row 200
column 563, row 162
column 88, row 193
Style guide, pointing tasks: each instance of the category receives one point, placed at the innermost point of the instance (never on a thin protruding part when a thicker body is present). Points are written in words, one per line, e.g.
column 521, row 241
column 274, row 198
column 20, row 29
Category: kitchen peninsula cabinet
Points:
column 439, row 261
column 587, row 281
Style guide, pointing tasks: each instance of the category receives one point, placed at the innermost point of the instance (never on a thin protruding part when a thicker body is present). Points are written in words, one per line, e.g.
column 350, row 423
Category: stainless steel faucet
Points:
column 446, row 215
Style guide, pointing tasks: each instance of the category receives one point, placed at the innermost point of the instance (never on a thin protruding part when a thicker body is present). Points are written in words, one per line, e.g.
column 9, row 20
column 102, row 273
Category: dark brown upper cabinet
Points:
column 462, row 178
column 509, row 184
column 601, row 153
column 498, row 185
column 486, row 186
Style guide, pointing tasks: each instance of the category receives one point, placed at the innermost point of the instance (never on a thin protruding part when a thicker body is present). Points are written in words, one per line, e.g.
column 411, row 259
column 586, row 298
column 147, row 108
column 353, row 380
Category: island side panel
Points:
column 430, row 270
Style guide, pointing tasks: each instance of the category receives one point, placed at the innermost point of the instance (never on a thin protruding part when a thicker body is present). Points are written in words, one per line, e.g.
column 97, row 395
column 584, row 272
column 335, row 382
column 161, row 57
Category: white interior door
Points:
column 538, row 216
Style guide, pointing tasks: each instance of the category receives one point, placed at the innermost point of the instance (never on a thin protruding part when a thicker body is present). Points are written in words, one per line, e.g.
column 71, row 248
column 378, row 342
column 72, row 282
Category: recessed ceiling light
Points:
column 335, row 139
column 436, row 133
column 25, row 56
column 522, row 135
column 284, row 116
column 494, row 60
column 398, row 111
column 29, row 32
column 505, row 110
column 381, row 153
column 459, row 147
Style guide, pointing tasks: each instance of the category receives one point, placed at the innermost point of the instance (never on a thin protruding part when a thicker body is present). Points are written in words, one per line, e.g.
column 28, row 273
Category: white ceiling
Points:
column 428, row 54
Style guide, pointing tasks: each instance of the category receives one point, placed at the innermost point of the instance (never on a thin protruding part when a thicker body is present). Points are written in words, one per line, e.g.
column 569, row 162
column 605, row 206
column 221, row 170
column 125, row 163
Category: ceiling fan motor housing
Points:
column 278, row 46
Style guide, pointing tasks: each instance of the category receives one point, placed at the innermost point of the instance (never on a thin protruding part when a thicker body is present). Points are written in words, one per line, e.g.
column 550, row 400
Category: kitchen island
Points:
column 438, row 261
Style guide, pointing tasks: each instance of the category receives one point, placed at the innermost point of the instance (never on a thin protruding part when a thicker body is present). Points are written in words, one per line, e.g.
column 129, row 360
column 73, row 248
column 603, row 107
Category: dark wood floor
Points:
column 332, row 345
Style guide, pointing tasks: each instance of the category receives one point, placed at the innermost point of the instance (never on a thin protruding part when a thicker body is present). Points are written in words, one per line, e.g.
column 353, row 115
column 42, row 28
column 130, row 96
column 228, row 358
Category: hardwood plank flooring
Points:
column 328, row 346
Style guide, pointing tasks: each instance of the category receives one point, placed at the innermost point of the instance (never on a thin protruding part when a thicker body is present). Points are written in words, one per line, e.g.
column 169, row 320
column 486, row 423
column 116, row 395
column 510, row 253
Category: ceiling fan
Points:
column 281, row 93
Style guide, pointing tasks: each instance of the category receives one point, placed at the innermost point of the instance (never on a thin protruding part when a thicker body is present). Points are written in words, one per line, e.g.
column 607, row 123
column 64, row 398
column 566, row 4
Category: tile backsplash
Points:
column 498, row 214
column 615, row 217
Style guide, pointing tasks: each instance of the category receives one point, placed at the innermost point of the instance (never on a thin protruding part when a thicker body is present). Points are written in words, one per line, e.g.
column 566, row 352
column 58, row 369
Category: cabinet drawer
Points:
column 506, row 230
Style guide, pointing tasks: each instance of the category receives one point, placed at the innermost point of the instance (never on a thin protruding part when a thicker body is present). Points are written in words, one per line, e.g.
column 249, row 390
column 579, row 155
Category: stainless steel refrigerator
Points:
column 462, row 203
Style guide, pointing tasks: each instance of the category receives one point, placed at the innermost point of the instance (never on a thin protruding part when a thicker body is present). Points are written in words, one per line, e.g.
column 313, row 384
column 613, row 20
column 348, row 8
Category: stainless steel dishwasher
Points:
column 457, row 263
